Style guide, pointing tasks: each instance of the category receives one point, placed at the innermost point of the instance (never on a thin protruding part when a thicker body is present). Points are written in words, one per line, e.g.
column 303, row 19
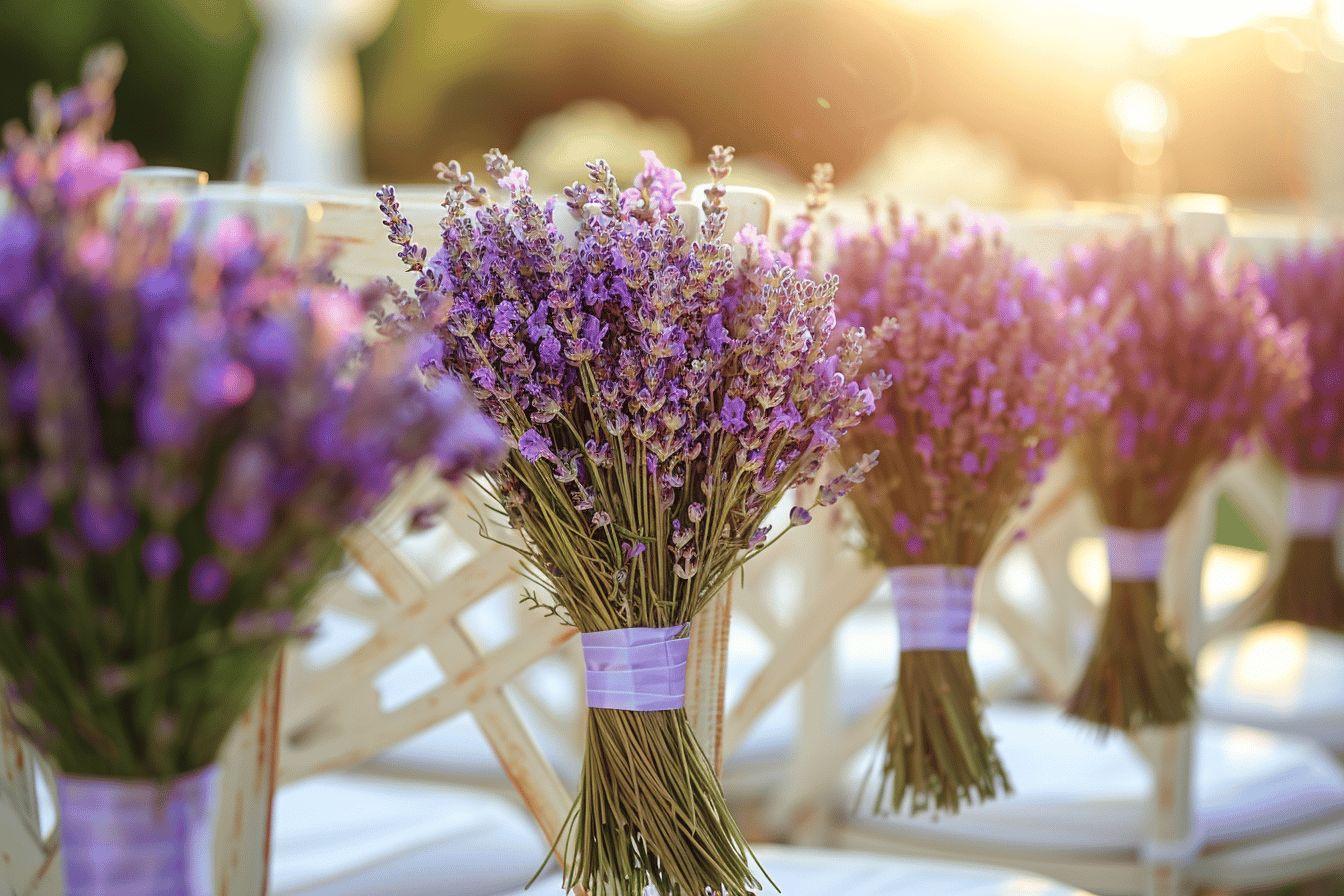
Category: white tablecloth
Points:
column 1076, row 792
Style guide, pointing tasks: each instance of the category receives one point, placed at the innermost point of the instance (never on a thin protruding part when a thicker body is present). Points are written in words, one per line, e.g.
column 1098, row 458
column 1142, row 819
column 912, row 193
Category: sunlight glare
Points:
column 1180, row 19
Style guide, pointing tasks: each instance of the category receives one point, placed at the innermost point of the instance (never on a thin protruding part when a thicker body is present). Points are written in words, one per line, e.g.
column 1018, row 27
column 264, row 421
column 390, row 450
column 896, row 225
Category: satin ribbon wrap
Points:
column 125, row 837
column 1314, row 504
column 1135, row 555
column 933, row 605
column 639, row 669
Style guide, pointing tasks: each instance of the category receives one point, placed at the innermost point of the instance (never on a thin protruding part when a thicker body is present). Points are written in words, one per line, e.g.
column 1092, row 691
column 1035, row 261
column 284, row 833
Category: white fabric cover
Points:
column 1281, row 676
column 1075, row 792
column 359, row 835
column 800, row 872
column 456, row 750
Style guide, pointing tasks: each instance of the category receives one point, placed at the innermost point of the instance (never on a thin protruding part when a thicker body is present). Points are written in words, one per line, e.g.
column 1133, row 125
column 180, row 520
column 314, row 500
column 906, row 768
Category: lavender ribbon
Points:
column 639, row 669
column 1135, row 555
column 933, row 605
column 1314, row 504
column 125, row 837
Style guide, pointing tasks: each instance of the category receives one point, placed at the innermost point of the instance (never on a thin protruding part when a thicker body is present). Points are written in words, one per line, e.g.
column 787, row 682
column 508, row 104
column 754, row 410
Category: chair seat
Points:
column 354, row 835
column 1075, row 793
column 456, row 751
column 1281, row 676
column 800, row 872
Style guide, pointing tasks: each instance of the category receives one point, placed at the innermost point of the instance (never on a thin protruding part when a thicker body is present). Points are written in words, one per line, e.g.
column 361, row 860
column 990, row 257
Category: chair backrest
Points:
column 1050, row 644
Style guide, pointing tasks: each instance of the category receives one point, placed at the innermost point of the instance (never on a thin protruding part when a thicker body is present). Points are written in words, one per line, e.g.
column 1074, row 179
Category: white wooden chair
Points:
column 334, row 741
column 1117, row 818
column 320, row 714
column 1283, row 677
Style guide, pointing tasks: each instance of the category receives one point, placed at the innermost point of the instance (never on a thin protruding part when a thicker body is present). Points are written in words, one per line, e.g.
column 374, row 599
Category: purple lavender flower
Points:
column 1306, row 288
column 208, row 581
column 20, row 236
column 104, row 522
column 676, row 392
column 161, row 555
column 29, row 508
column 534, row 446
column 194, row 404
column 958, row 324
column 1199, row 361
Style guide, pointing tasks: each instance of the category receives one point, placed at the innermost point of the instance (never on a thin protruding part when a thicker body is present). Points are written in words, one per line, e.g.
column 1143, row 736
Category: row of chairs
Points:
column 391, row 753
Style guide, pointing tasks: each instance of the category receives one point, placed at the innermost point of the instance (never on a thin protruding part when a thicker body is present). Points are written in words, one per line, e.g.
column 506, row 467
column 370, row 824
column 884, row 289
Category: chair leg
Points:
column 248, row 765
column 1173, row 837
column 29, row 863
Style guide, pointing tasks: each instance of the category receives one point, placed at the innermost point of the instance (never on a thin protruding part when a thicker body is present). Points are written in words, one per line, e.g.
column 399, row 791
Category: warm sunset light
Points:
column 671, row 447
column 1165, row 18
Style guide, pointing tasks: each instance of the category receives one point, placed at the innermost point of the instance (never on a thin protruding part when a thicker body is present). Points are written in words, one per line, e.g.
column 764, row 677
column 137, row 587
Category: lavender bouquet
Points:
column 659, row 398
column 1199, row 361
column 991, row 368
column 1308, row 286
column 186, row 425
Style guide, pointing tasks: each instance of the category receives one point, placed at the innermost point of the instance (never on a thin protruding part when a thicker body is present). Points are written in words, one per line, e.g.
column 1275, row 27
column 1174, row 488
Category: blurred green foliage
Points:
column 187, row 60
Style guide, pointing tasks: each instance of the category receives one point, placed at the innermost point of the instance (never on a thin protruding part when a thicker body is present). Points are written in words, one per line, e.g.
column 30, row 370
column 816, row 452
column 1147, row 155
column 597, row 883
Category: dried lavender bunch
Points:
column 1199, row 361
column 1307, row 285
column 659, row 399
column 990, row 369
column 184, row 431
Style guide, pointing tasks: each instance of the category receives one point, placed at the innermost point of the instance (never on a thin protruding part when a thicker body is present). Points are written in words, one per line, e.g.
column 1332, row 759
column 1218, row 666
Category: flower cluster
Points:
column 660, row 396
column 991, row 369
column 1308, row 286
column 187, row 422
column 1200, row 361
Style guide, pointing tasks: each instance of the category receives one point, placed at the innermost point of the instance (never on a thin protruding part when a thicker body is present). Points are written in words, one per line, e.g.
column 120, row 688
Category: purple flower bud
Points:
column 104, row 522
column 208, row 581
column 241, row 527
column 161, row 556
column 19, row 238
column 799, row 516
column 29, row 509
column 534, row 446
column 223, row 383
column 732, row 415
column 273, row 347
column 758, row 537
column 23, row 389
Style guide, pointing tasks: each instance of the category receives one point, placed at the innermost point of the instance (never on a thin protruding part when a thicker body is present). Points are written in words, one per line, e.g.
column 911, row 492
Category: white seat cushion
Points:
column 356, row 835
column 1076, row 793
column 800, row 872
column 1282, row 676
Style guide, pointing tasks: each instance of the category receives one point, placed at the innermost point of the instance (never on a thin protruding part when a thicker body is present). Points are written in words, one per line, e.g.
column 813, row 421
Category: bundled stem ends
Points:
column 1309, row 589
column 1137, row 675
column 937, row 754
column 651, row 808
